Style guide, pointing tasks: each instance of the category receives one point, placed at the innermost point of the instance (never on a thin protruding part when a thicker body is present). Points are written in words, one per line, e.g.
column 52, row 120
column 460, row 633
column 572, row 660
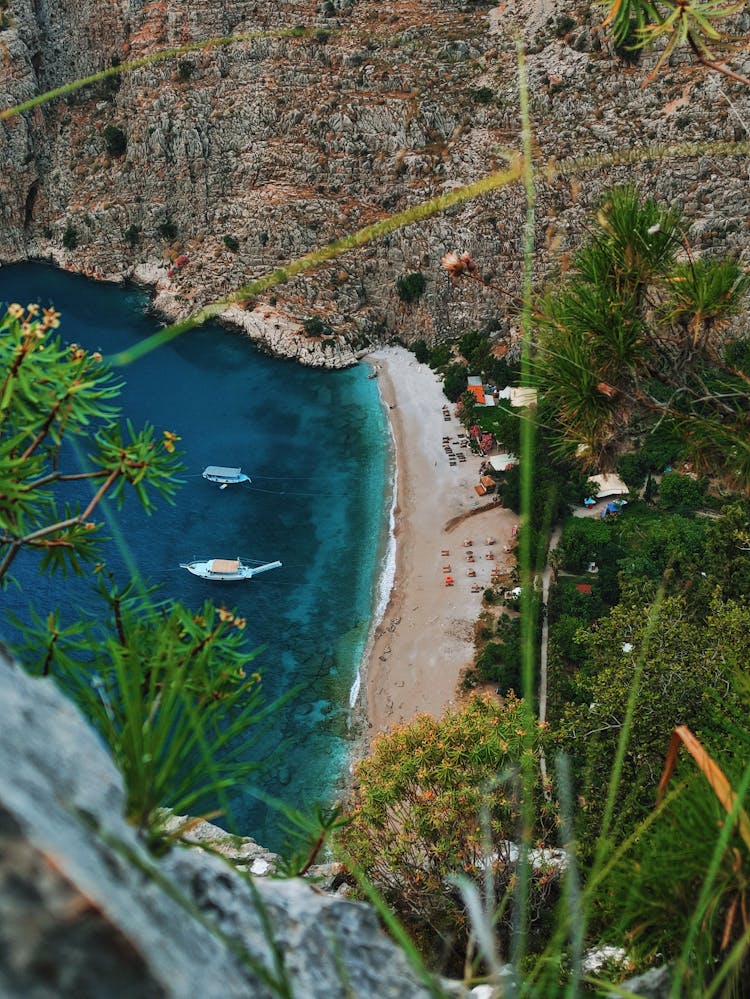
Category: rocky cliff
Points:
column 204, row 171
column 87, row 912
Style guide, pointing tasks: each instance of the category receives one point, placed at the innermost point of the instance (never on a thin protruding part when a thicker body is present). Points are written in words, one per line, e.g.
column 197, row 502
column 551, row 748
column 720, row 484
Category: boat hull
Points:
column 227, row 570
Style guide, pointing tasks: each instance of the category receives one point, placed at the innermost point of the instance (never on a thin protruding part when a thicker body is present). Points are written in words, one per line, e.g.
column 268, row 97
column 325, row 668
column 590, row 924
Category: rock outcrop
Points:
column 221, row 164
column 86, row 911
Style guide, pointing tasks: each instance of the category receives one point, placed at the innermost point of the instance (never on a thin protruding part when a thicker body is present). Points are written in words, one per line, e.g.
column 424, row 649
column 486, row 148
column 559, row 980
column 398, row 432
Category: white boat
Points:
column 226, row 569
column 224, row 476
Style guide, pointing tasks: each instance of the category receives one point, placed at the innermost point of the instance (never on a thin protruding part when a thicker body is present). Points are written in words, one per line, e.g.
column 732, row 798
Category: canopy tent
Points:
column 609, row 485
column 224, row 565
column 502, row 462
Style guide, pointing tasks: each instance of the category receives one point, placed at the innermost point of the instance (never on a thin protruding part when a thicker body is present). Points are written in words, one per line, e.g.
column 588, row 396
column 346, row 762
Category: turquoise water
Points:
column 316, row 446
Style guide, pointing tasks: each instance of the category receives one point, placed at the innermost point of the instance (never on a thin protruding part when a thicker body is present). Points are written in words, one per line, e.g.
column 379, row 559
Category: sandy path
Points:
column 426, row 637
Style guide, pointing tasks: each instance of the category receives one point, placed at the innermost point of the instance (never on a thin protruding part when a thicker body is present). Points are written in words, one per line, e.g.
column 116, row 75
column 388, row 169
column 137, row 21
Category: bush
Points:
column 680, row 493
column 483, row 95
column 421, row 351
column 454, row 382
column 416, row 819
column 132, row 234
column 167, row 228
column 314, row 326
column 185, row 70
column 115, row 141
column 231, row 243
column 70, row 237
column 410, row 287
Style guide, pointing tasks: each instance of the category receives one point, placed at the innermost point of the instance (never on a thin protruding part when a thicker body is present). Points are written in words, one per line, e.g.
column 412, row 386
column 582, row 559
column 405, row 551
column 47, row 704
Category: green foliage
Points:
column 434, row 799
column 690, row 24
column 500, row 661
column 441, row 355
column 115, row 140
column 168, row 692
column 52, row 392
column 633, row 340
column 231, row 243
column 483, row 95
column 70, row 237
column 727, row 551
column 167, row 229
column 681, row 889
column 185, row 70
column 132, row 234
column 410, row 287
column 680, row 493
column 421, row 351
column 315, row 327
column 681, row 653
column 454, row 381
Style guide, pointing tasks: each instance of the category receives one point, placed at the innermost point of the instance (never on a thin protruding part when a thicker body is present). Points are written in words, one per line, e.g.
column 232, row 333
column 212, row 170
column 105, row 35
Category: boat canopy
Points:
column 224, row 565
column 220, row 471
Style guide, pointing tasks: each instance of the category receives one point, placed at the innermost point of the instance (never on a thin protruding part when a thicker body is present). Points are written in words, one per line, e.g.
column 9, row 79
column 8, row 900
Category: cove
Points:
column 317, row 448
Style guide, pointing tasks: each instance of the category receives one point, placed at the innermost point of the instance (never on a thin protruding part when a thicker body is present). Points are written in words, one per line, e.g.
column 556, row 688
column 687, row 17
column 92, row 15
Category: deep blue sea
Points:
column 317, row 448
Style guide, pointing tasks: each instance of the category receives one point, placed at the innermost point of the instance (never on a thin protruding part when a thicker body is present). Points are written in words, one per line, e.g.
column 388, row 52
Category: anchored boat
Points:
column 226, row 569
column 224, row 476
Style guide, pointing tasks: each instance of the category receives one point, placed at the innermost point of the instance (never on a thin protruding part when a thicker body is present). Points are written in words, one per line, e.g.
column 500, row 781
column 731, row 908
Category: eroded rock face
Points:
column 86, row 912
column 218, row 166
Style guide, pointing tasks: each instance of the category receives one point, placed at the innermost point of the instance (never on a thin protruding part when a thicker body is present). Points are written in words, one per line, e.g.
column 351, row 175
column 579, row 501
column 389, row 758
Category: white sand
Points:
column 426, row 637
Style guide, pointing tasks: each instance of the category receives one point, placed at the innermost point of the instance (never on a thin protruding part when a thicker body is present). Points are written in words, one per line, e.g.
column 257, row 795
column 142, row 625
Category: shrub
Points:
column 454, row 381
column 167, row 228
column 483, row 95
column 314, row 326
column 132, row 234
column 70, row 237
column 416, row 817
column 231, row 243
column 185, row 69
column 680, row 493
column 115, row 140
column 410, row 287
column 421, row 351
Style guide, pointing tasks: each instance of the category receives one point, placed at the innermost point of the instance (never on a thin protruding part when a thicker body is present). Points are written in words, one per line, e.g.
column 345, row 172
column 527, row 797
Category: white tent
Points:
column 502, row 462
column 609, row 485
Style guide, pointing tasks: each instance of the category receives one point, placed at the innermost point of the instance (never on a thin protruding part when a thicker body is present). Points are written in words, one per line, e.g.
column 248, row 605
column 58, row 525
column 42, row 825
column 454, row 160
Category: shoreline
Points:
column 424, row 638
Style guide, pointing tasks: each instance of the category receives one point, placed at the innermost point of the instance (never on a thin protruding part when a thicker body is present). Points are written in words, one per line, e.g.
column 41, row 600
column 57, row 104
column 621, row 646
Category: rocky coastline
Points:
column 200, row 174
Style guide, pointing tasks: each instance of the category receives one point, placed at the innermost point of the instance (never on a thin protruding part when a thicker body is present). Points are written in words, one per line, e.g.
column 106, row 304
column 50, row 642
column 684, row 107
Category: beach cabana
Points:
column 502, row 462
column 609, row 485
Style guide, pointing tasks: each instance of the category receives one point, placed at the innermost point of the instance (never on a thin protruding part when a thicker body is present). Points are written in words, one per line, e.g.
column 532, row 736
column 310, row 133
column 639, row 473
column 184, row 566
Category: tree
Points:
column 165, row 688
column 115, row 140
column 634, row 340
column 51, row 393
column 439, row 797
column 680, row 493
column 680, row 656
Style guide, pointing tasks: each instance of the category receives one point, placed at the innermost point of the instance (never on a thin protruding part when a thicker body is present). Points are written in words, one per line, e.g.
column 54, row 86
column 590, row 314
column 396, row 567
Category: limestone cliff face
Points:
column 233, row 160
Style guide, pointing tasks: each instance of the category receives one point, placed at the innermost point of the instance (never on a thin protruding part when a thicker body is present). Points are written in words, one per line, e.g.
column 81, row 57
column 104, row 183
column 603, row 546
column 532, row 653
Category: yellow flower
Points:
column 15, row 310
column 51, row 318
column 32, row 309
column 169, row 438
column 240, row 622
column 224, row 614
column 96, row 356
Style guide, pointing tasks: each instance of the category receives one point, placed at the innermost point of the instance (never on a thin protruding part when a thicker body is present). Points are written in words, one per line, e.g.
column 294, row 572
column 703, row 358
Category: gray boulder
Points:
column 87, row 911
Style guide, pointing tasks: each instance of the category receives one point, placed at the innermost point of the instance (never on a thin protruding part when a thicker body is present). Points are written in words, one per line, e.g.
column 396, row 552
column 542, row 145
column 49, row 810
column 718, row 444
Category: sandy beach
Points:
column 426, row 636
